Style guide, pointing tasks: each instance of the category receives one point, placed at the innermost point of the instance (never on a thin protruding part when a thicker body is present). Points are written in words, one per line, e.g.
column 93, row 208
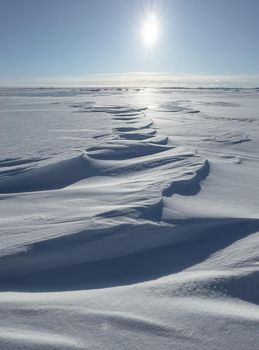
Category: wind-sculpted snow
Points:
column 147, row 237
column 176, row 107
column 82, row 260
column 49, row 177
column 120, row 147
column 114, row 110
column 230, row 137
column 144, row 171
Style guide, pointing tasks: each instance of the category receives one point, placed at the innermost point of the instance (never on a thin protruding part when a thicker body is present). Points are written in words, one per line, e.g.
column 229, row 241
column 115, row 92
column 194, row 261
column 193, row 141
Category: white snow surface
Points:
column 129, row 218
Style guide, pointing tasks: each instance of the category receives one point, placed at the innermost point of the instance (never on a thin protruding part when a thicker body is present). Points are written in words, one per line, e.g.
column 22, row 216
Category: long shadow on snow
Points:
column 190, row 244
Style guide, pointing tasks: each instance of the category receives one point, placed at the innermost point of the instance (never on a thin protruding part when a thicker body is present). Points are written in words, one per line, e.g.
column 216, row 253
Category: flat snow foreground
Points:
column 129, row 219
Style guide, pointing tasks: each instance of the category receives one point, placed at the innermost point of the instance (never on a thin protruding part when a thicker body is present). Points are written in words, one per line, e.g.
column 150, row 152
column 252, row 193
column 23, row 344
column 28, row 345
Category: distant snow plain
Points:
column 129, row 218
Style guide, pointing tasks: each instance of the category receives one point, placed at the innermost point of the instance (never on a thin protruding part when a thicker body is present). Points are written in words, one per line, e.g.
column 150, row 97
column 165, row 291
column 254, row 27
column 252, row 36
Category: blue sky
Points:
column 44, row 38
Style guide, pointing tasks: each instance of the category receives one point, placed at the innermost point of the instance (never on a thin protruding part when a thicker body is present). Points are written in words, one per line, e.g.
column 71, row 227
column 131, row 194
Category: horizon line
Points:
column 136, row 79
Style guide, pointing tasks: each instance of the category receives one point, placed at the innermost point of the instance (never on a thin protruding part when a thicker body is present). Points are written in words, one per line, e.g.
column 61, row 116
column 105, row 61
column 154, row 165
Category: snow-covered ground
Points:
column 129, row 219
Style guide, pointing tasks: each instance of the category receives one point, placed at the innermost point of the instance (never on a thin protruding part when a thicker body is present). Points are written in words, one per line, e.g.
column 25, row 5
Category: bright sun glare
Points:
column 150, row 30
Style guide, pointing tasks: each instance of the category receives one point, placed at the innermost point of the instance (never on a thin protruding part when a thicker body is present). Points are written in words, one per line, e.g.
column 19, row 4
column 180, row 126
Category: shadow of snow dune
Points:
column 50, row 177
column 114, row 257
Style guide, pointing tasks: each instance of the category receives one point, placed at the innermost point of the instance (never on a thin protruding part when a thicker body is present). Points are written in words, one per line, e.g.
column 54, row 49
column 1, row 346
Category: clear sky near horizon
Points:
column 71, row 37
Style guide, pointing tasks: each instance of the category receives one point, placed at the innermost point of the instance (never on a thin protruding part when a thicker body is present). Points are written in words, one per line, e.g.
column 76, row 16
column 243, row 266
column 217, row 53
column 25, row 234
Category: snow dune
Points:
column 144, row 233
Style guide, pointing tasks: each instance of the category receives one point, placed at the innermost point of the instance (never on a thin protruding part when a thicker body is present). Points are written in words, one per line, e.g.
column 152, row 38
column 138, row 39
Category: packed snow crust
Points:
column 129, row 218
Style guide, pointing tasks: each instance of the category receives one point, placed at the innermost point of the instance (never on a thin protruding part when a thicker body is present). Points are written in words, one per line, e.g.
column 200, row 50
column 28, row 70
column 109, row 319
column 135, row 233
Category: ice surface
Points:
column 129, row 218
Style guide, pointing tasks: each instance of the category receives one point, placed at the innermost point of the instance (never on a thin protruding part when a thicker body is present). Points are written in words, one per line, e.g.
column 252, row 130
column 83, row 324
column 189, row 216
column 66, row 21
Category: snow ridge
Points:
column 137, row 166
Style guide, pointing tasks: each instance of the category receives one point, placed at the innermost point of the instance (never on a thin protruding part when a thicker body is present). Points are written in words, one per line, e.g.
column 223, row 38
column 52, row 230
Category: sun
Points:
column 150, row 30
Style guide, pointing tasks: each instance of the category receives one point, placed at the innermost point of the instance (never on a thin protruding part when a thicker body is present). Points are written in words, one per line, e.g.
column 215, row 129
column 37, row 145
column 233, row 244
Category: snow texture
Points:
column 129, row 219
